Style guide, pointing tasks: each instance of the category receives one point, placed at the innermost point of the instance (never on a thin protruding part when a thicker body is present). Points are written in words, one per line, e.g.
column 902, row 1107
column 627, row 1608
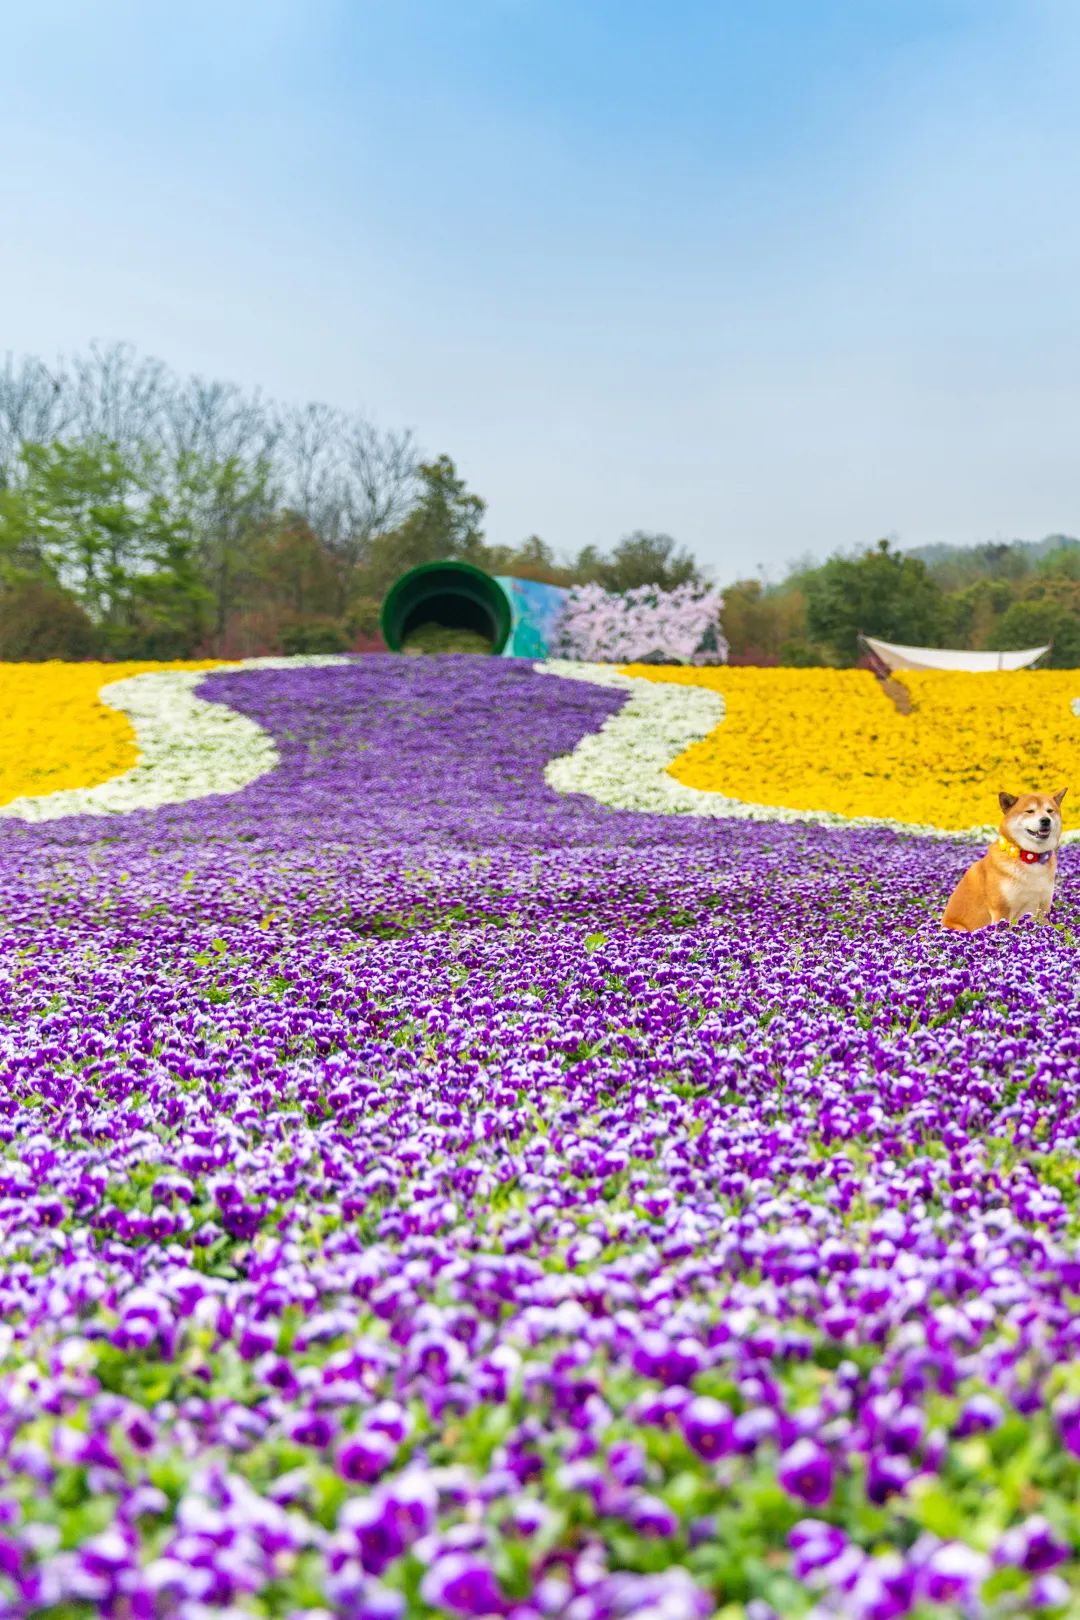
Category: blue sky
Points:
column 776, row 276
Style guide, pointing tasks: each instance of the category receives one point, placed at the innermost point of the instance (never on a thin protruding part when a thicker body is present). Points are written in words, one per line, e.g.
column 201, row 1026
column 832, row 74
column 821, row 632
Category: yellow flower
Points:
column 832, row 740
column 56, row 733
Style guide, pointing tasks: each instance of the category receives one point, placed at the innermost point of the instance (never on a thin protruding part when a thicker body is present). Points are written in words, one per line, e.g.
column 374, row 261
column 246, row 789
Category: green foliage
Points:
column 532, row 559
column 313, row 634
column 1063, row 562
column 95, row 521
column 38, row 620
column 798, row 653
column 767, row 625
column 639, row 559
column 223, row 508
column 955, row 567
column 293, row 572
column 972, row 611
column 1048, row 611
column 442, row 638
column 994, row 596
column 362, row 618
column 444, row 524
column 881, row 593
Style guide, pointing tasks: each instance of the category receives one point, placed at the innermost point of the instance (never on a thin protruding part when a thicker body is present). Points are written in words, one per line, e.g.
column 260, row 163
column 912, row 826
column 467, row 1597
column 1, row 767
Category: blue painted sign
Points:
column 536, row 610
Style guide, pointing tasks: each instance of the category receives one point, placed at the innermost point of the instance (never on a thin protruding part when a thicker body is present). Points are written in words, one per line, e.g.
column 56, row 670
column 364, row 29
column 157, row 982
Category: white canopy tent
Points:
column 893, row 656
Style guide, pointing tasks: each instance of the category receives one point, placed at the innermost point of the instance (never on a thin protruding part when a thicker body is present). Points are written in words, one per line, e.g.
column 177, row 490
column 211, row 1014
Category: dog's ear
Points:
column 1059, row 796
column 1006, row 801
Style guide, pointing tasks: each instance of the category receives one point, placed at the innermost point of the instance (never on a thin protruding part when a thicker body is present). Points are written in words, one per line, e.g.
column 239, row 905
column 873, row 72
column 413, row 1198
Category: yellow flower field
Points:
column 832, row 740
column 56, row 733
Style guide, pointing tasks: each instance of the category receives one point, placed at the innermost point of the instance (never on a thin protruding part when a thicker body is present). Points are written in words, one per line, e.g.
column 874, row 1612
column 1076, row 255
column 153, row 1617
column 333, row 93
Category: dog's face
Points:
column 1032, row 820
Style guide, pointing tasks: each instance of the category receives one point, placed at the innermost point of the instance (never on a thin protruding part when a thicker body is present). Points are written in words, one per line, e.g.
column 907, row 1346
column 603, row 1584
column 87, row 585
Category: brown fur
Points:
column 1002, row 887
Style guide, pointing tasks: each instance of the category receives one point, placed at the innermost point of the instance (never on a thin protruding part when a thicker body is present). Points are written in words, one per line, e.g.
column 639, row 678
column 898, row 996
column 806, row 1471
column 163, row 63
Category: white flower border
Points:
column 625, row 765
column 189, row 748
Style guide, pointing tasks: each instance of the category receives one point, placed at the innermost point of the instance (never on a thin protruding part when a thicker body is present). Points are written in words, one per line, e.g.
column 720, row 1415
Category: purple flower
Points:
column 979, row 1415
column 885, row 1476
column 752, row 1427
column 651, row 1517
column 903, row 1432
column 628, row 1463
column 391, row 1419
column 529, row 1516
column 1049, row 1592
column 257, row 1339
column 672, row 1594
column 1032, row 1545
column 312, row 1429
column 377, row 1602
column 672, row 1361
column 806, row 1471
column 461, row 1584
column 952, row 1573
column 1067, row 1414
column 374, row 1528
column 412, row 1498
column 707, row 1426
column 366, row 1455
column 140, row 1431
column 884, row 1589
column 814, row 1545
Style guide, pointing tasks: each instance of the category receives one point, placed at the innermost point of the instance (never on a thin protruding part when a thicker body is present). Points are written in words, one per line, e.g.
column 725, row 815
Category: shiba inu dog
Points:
column 1015, row 878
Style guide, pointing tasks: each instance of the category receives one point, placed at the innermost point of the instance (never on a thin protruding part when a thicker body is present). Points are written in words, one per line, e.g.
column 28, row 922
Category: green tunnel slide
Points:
column 518, row 617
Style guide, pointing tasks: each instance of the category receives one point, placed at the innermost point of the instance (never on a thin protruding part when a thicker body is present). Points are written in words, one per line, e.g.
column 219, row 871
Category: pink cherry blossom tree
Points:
column 645, row 625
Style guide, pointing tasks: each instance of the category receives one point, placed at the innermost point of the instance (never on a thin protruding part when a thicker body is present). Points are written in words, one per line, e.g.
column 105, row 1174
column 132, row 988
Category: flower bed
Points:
column 175, row 746
column 426, row 1192
column 832, row 743
column 56, row 733
column 180, row 746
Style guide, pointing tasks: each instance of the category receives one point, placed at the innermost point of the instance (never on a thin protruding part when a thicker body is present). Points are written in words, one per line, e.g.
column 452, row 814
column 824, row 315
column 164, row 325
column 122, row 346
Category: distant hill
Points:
column 992, row 556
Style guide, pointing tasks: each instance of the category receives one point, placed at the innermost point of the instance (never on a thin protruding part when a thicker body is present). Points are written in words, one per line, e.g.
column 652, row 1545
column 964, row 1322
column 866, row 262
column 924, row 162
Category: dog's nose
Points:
column 1045, row 823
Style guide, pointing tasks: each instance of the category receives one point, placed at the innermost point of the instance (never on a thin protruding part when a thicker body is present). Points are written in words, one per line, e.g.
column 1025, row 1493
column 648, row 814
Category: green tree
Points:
column 766, row 624
column 444, row 524
column 294, row 588
column 881, row 593
column 78, row 503
column 38, row 620
column 1063, row 563
column 292, row 569
column 93, row 520
column 639, row 559
column 532, row 559
column 971, row 613
column 221, row 508
column 1049, row 611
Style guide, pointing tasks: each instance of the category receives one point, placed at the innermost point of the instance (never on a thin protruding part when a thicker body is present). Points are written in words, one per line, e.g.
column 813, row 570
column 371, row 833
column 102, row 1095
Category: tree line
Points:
column 143, row 514
column 999, row 596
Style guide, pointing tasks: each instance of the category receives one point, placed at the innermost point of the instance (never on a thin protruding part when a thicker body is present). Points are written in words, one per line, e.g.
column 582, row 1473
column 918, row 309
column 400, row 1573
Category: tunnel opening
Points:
column 450, row 610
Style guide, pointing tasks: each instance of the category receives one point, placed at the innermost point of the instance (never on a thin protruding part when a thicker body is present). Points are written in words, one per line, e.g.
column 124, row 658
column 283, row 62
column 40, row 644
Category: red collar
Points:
column 1030, row 857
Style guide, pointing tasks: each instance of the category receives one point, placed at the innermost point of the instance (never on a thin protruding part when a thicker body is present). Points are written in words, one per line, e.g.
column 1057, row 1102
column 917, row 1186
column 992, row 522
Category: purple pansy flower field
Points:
column 425, row 1193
